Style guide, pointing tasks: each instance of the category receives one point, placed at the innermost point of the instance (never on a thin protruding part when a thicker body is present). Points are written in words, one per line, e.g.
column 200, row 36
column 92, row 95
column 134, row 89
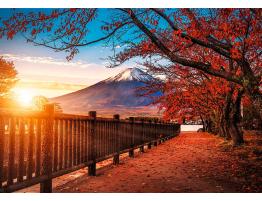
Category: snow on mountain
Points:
column 131, row 74
column 117, row 94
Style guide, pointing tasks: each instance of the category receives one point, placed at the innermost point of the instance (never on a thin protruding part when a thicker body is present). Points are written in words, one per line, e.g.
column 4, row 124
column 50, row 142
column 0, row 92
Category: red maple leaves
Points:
column 200, row 52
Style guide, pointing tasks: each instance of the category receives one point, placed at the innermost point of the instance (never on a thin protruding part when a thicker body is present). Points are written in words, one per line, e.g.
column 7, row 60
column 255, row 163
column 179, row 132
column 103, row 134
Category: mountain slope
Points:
column 118, row 94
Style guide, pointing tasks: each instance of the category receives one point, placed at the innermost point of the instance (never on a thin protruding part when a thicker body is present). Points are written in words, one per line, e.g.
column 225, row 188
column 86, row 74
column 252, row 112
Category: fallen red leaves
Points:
column 191, row 162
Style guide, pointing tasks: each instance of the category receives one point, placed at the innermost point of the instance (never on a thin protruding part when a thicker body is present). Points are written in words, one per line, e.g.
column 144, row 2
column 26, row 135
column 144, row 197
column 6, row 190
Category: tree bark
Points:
column 250, row 81
column 203, row 122
column 234, row 126
column 221, row 126
column 209, row 126
column 226, row 113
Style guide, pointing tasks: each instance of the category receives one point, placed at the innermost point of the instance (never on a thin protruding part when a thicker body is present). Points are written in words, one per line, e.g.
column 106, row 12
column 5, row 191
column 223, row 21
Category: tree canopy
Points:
column 203, row 39
column 210, row 58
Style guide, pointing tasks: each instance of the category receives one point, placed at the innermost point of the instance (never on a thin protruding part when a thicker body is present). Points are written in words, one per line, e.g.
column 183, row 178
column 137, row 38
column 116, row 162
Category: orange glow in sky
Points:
column 25, row 97
column 25, row 91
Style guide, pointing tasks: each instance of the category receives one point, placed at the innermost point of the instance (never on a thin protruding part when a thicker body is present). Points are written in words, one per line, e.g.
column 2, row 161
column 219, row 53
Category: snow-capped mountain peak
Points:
column 131, row 74
column 119, row 93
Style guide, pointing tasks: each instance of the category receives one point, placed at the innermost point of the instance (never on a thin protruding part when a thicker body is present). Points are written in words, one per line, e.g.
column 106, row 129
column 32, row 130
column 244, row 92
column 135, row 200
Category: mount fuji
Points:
column 119, row 94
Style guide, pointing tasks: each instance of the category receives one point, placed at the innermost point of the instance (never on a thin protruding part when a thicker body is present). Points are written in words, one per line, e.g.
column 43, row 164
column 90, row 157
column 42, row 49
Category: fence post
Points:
column 165, row 130
column 168, row 133
column 156, row 128
column 142, row 137
column 92, row 167
column 161, row 130
column 116, row 118
column 131, row 151
column 47, row 150
column 150, row 137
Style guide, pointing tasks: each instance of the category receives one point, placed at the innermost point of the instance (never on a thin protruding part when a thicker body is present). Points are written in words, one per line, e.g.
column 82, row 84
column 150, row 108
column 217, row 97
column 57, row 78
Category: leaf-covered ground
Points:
column 191, row 162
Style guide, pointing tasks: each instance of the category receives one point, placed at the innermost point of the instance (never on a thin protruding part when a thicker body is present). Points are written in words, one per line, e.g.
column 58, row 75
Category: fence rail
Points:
column 36, row 147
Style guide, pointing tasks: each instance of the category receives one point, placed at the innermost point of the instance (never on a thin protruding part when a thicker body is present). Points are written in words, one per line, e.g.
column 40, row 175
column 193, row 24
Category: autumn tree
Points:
column 215, row 36
column 223, row 43
column 7, row 79
column 194, row 94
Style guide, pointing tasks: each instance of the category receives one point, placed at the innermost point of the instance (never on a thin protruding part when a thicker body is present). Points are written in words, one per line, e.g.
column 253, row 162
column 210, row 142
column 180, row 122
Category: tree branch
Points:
column 195, row 40
column 174, row 58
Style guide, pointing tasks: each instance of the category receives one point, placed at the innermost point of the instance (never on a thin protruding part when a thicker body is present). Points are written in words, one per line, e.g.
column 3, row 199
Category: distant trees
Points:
column 39, row 103
column 8, row 78
column 211, row 99
column 222, row 46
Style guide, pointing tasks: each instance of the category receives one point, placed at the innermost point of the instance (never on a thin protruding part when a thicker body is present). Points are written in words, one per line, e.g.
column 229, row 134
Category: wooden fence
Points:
column 36, row 147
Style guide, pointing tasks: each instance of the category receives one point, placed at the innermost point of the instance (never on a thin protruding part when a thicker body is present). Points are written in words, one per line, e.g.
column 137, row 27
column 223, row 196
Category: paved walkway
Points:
column 191, row 162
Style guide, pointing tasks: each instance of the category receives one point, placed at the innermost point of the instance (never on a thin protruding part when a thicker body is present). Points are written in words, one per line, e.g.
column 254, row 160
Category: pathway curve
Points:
column 191, row 162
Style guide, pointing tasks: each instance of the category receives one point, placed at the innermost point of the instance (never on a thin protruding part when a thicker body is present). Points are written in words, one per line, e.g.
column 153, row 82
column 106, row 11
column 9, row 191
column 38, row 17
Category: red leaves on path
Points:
column 191, row 162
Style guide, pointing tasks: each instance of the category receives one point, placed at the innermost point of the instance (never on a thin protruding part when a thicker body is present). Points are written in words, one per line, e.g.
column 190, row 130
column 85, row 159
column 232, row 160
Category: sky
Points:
column 37, row 65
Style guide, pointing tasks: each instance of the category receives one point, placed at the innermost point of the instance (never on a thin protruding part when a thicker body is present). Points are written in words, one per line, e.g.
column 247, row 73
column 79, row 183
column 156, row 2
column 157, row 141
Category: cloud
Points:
column 46, row 60
column 49, row 69
column 48, row 85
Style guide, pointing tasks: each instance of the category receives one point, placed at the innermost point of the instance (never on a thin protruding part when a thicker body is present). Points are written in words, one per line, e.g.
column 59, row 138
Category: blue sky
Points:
column 40, row 64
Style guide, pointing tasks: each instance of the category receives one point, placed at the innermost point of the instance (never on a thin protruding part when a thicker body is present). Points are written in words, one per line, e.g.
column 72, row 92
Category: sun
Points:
column 25, row 97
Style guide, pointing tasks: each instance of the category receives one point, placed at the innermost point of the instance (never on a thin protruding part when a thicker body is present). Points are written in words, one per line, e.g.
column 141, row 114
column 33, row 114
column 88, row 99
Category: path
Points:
column 191, row 162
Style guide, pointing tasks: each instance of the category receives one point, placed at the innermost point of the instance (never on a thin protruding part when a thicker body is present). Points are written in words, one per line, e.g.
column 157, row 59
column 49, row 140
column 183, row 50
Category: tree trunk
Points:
column 236, row 134
column 234, row 127
column 221, row 126
column 203, row 122
column 209, row 126
column 250, row 81
column 226, row 128
column 226, row 113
